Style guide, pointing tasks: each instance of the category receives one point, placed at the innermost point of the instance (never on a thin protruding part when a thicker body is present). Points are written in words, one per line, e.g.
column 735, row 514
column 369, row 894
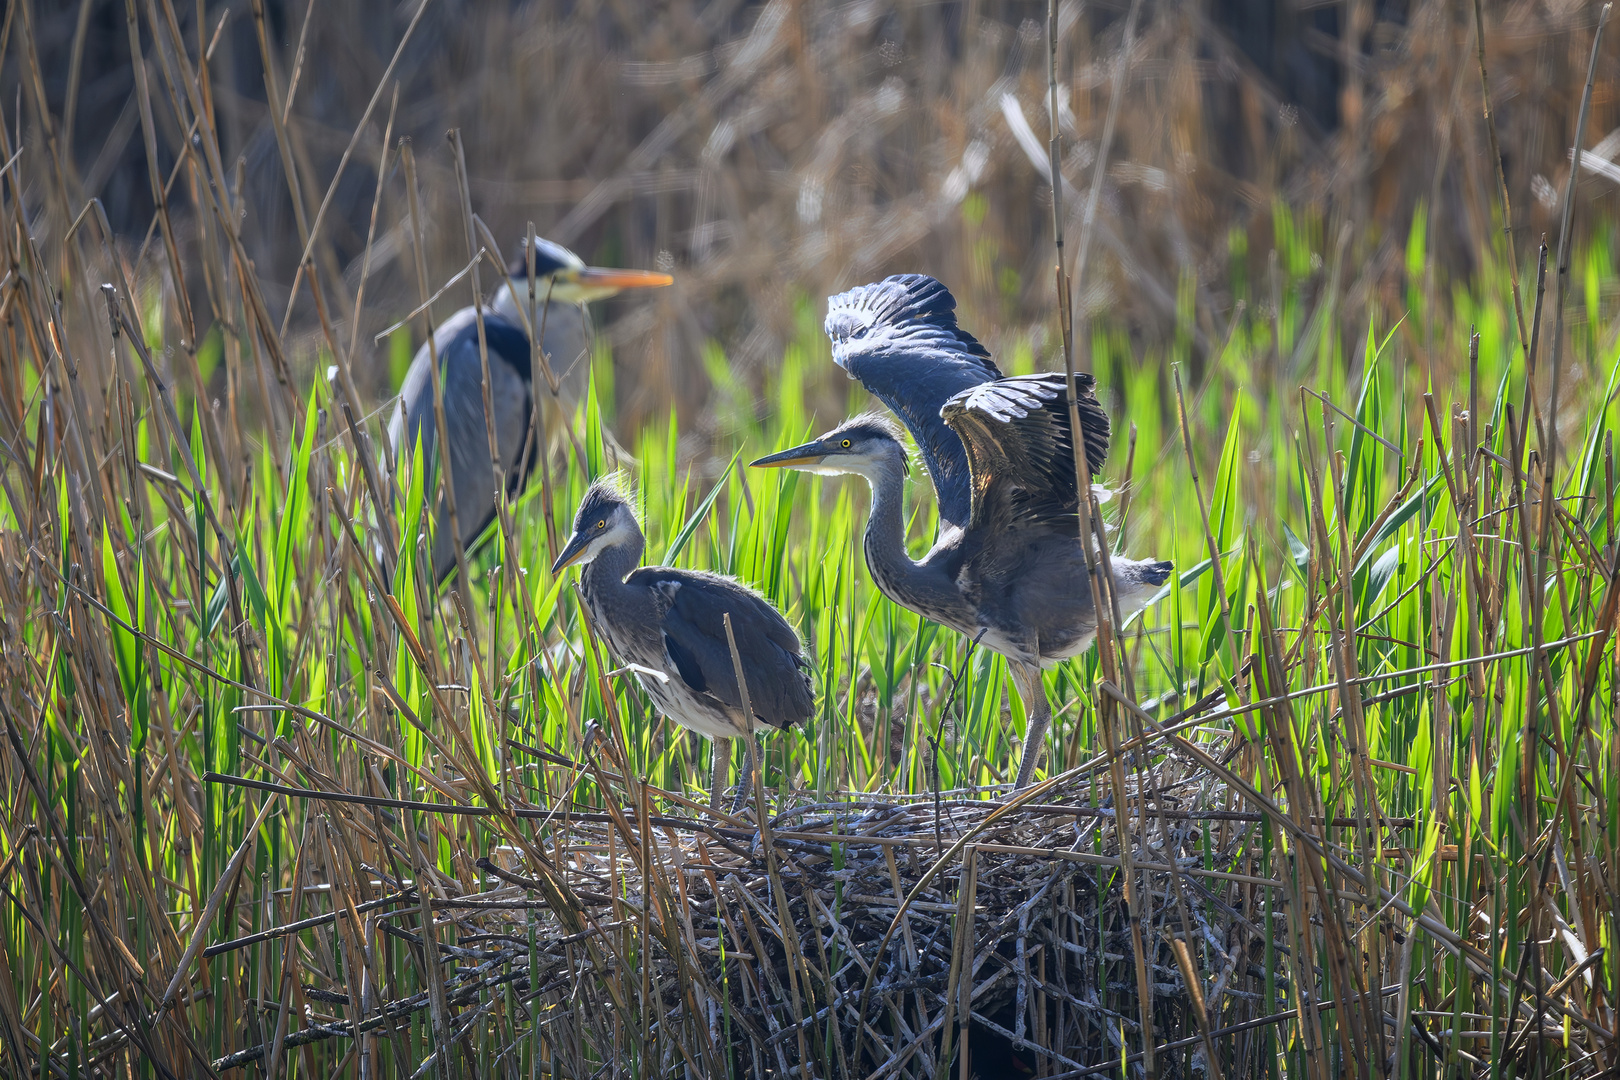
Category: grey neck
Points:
column 603, row 577
column 924, row 587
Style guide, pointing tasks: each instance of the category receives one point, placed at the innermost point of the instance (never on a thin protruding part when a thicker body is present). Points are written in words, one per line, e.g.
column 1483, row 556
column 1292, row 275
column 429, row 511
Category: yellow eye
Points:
column 602, row 524
column 845, row 444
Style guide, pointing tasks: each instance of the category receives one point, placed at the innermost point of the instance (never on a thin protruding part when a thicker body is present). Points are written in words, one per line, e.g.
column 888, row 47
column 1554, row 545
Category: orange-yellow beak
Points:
column 601, row 278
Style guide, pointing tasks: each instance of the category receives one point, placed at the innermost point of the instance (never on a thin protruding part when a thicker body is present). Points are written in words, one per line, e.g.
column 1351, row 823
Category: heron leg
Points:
column 745, row 783
column 1039, row 711
column 722, row 767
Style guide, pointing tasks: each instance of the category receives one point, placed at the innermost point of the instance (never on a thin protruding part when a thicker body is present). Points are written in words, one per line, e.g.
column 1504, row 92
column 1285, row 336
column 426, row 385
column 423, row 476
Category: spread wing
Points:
column 899, row 338
column 1019, row 451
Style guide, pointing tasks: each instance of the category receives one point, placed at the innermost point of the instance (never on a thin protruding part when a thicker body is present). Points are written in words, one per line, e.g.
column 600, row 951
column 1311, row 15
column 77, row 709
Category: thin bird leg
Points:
column 1030, row 688
column 722, row 766
column 745, row 783
column 742, row 721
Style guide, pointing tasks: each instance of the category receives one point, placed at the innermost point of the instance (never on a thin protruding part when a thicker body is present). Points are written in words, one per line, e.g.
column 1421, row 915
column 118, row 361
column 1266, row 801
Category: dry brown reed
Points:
column 776, row 152
column 899, row 920
column 541, row 913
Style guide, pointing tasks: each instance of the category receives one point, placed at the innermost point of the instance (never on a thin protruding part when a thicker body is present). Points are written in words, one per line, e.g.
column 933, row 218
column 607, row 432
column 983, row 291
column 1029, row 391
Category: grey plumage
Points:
column 891, row 334
column 563, row 285
column 461, row 371
column 668, row 625
column 1007, row 568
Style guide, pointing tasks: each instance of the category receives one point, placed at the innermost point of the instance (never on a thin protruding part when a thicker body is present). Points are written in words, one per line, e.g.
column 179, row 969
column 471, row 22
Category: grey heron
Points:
column 563, row 285
column 668, row 626
column 1007, row 567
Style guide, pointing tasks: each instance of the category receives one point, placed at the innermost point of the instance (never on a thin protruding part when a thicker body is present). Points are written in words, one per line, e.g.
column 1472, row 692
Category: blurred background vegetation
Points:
column 195, row 591
column 770, row 154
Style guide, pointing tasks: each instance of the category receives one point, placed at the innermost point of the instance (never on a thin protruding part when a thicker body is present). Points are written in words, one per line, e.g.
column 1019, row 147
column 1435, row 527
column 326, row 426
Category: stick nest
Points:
column 848, row 947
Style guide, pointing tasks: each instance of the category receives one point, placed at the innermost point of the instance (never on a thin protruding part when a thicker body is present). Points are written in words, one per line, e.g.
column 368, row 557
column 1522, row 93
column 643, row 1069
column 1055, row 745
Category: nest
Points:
column 869, row 937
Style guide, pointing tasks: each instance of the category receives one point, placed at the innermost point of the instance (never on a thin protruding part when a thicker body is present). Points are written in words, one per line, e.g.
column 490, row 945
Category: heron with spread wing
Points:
column 1007, row 568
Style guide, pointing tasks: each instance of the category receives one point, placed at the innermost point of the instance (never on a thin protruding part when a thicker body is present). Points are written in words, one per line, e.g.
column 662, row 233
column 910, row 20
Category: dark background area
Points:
column 769, row 154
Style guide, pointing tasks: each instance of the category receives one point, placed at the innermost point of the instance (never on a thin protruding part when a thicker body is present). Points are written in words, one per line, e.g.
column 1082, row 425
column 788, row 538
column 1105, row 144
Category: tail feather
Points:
column 1157, row 573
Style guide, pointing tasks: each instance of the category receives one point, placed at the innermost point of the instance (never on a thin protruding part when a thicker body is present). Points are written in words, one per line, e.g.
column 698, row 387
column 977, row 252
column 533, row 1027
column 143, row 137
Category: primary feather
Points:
column 900, row 339
column 1019, row 447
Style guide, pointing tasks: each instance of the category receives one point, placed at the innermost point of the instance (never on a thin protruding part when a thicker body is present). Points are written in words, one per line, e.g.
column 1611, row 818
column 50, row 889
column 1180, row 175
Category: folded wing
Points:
column 779, row 687
column 461, row 371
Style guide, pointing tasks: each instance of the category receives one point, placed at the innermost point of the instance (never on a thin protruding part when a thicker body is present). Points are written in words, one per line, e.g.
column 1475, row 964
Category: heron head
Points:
column 561, row 275
column 605, row 519
column 862, row 445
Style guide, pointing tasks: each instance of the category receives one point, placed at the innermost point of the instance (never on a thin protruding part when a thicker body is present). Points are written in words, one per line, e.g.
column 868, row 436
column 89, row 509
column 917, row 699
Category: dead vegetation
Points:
column 272, row 804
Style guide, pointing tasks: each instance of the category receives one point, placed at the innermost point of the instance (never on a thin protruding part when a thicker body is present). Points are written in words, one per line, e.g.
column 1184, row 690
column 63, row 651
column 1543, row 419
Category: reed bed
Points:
column 1341, row 801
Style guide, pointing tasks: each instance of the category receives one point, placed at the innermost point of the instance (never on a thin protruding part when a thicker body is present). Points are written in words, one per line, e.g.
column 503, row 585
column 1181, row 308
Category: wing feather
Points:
column 1015, row 432
column 686, row 663
column 899, row 337
column 779, row 687
column 462, row 375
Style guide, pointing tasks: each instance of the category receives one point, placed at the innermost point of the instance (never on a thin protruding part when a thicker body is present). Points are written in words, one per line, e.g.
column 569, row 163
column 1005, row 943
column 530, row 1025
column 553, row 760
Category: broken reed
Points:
column 1389, row 715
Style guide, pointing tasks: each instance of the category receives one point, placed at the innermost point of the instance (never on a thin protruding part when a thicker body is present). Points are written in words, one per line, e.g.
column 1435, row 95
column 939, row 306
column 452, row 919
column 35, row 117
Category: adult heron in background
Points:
column 562, row 286
column 1007, row 567
column 668, row 627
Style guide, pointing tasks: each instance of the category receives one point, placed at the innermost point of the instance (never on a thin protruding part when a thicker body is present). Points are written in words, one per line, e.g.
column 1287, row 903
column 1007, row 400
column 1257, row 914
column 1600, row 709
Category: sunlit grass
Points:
column 1380, row 594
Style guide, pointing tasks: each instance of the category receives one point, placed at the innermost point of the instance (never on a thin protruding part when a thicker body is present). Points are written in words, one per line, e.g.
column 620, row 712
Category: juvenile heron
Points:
column 668, row 626
column 1007, row 567
column 563, row 285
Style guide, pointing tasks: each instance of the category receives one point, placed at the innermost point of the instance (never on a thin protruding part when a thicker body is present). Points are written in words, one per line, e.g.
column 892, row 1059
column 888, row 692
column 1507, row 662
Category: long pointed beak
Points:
column 570, row 554
column 607, row 282
column 811, row 453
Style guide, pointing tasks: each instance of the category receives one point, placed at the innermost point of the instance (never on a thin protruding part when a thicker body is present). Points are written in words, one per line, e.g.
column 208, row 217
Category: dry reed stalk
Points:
column 162, row 654
column 442, row 487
